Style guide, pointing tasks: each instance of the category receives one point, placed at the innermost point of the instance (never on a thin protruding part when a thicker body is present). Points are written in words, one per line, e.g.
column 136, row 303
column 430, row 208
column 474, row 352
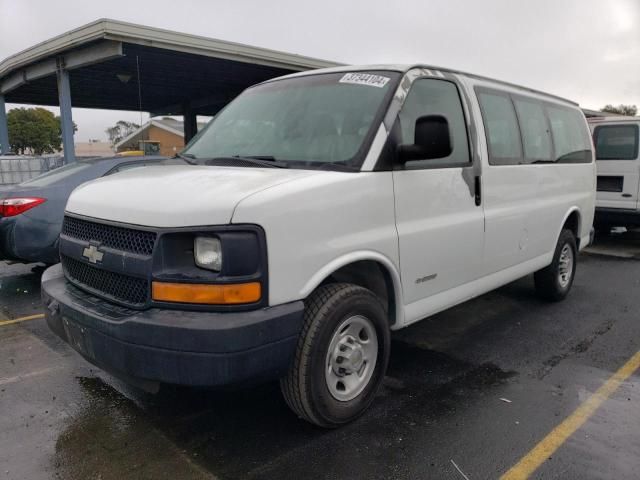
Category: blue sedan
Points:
column 31, row 213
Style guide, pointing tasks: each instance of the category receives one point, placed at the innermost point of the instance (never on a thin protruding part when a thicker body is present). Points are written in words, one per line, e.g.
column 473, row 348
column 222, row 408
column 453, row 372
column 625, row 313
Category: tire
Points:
column 311, row 387
column 554, row 282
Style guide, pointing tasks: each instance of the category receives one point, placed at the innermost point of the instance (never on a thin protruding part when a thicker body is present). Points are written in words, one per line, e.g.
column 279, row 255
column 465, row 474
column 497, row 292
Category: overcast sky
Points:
column 585, row 50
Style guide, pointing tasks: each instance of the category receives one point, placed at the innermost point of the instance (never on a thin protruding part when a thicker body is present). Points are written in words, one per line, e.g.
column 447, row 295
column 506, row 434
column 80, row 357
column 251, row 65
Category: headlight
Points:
column 208, row 253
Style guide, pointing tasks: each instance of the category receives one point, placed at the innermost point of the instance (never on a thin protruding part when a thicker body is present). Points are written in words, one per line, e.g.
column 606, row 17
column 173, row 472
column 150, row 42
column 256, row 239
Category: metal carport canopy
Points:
column 178, row 72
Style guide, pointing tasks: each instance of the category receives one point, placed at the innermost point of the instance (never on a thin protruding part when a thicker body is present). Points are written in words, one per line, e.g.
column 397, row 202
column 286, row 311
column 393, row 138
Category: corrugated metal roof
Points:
column 107, row 29
column 122, row 66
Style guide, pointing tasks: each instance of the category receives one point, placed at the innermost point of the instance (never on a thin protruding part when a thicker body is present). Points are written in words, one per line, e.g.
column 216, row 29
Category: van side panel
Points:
column 525, row 208
column 449, row 298
column 526, row 205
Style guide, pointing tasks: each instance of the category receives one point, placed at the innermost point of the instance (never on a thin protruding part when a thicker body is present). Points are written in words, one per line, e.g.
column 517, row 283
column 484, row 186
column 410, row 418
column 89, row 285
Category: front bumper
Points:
column 171, row 346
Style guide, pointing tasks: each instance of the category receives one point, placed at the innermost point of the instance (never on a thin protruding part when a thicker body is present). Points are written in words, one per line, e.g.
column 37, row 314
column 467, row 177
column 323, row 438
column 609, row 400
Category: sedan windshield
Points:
column 306, row 121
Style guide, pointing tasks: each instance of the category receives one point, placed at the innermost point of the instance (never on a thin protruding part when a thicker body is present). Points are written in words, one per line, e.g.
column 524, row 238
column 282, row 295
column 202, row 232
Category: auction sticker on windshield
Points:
column 365, row 79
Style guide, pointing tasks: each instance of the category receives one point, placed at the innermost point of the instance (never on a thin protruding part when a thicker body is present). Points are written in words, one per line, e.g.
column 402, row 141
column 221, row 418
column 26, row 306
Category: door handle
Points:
column 478, row 189
column 627, row 195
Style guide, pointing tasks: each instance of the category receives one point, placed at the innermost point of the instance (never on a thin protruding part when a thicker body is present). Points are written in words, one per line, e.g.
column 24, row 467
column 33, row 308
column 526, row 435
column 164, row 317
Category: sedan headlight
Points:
column 208, row 253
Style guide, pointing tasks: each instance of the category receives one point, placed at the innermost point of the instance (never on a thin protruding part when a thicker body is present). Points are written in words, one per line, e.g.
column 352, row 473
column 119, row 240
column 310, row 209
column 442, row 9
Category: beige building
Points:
column 93, row 148
column 159, row 136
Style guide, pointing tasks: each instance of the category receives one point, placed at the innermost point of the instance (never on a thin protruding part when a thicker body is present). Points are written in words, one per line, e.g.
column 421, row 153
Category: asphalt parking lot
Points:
column 503, row 383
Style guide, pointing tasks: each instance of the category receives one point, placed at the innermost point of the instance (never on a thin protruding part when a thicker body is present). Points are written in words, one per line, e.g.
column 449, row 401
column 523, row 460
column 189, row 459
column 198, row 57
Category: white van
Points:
column 326, row 209
column 618, row 165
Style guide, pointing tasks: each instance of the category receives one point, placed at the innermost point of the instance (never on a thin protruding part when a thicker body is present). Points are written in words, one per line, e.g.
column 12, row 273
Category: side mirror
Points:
column 432, row 140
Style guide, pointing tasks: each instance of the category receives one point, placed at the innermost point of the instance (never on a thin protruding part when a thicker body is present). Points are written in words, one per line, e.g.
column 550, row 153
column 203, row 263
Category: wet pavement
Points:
column 478, row 385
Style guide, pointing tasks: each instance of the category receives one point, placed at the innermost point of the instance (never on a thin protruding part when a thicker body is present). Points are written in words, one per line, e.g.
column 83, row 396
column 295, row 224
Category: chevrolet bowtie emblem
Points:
column 92, row 254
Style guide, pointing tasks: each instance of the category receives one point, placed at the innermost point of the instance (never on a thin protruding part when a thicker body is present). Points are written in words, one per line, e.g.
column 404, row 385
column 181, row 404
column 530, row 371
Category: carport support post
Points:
column 64, row 99
column 4, row 130
column 190, row 123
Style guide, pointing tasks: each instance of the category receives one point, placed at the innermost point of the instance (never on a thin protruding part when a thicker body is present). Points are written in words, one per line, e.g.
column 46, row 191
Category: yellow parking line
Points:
column 543, row 450
column 22, row 319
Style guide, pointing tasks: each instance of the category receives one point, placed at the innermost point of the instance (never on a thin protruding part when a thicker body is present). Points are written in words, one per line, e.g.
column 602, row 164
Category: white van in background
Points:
column 616, row 140
column 323, row 210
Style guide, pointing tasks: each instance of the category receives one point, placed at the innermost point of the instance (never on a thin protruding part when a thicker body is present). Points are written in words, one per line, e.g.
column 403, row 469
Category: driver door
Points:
column 440, row 226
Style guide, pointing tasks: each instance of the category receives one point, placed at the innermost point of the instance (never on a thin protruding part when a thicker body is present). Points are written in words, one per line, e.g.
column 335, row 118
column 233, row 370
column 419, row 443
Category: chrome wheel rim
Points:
column 565, row 266
column 351, row 358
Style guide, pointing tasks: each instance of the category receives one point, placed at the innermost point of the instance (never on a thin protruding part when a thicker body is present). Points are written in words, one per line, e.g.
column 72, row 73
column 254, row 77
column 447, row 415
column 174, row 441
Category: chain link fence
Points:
column 14, row 169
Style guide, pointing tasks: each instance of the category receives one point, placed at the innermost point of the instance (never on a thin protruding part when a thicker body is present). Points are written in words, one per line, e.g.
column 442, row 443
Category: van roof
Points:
column 613, row 118
column 402, row 68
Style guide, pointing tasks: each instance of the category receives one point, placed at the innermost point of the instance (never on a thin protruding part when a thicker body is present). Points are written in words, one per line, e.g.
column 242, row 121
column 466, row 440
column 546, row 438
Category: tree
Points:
column 120, row 130
column 629, row 110
column 34, row 130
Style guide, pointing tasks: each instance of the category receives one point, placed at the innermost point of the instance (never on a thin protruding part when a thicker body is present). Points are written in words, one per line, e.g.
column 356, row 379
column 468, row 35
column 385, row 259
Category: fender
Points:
column 572, row 209
column 353, row 257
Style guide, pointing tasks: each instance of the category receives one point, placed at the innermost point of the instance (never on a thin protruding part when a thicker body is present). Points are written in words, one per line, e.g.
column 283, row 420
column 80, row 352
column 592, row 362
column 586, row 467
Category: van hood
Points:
column 175, row 196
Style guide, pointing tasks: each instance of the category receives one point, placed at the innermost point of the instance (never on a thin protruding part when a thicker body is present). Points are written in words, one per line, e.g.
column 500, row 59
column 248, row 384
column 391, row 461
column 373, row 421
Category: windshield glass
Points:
column 56, row 175
column 309, row 121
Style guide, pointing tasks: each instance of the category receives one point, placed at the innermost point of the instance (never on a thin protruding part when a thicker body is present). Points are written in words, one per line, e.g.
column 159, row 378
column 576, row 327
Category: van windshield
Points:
column 308, row 122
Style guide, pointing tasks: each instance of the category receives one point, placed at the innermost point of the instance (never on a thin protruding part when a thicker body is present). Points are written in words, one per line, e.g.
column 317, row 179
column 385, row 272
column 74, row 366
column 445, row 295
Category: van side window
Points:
column 501, row 126
column 570, row 138
column 436, row 97
column 536, row 136
column 616, row 142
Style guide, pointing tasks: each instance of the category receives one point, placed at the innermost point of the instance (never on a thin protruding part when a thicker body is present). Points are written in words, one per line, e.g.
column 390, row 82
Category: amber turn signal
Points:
column 231, row 294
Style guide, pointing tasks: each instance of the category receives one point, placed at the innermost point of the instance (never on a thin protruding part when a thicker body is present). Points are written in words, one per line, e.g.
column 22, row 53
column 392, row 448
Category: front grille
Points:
column 130, row 290
column 118, row 238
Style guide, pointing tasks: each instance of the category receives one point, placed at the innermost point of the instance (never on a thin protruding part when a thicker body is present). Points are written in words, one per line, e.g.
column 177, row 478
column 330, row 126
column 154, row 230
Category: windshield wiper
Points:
column 239, row 161
column 187, row 157
column 269, row 158
column 338, row 166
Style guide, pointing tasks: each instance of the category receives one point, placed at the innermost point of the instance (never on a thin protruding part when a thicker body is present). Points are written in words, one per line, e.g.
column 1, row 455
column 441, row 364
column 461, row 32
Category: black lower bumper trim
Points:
column 616, row 217
column 170, row 346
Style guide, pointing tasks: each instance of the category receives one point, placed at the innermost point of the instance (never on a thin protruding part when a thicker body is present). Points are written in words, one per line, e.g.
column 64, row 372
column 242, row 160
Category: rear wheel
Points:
column 554, row 282
column 341, row 356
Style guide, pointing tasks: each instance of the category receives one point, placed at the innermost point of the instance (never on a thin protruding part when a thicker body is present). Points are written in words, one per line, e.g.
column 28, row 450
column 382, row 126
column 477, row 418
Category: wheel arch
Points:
column 573, row 221
column 368, row 269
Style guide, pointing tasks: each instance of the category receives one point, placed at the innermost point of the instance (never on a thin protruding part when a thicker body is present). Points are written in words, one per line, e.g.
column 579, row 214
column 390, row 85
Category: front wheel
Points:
column 341, row 356
column 554, row 282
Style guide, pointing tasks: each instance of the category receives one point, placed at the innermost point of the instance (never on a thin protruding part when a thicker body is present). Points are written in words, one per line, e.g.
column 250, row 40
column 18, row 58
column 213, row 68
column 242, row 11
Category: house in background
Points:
column 159, row 136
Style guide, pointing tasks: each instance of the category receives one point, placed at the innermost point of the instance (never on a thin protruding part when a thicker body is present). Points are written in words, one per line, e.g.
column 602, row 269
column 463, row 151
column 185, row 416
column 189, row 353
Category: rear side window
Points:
column 501, row 126
column 58, row 175
column 436, row 97
column 570, row 137
column 541, row 132
column 616, row 142
column 536, row 136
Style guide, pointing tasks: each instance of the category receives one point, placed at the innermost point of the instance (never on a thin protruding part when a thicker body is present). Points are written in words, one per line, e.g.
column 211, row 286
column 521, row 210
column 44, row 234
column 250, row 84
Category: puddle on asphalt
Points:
column 21, row 292
column 111, row 439
column 186, row 433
